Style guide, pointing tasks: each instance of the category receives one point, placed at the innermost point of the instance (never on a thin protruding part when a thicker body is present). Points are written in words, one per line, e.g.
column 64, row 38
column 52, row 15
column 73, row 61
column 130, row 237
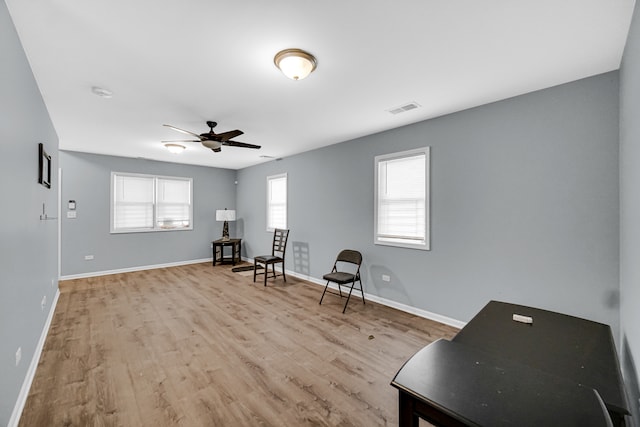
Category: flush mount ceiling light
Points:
column 101, row 92
column 175, row 148
column 295, row 63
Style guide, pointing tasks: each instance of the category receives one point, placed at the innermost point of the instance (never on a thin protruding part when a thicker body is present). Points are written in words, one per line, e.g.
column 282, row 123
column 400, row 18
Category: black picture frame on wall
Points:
column 44, row 167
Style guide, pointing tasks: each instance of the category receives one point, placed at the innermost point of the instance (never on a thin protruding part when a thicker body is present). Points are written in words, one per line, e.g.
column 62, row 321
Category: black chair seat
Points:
column 268, row 258
column 339, row 277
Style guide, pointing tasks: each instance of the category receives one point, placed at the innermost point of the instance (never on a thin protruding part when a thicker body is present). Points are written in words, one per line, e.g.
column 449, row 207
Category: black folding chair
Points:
column 347, row 259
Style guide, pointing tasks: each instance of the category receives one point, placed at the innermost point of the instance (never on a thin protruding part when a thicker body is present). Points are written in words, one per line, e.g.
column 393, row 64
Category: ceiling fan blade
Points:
column 183, row 131
column 182, row 140
column 240, row 144
column 225, row 136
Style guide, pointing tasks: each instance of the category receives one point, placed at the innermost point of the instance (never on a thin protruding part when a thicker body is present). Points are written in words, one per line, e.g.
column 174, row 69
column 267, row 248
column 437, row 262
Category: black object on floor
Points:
column 244, row 268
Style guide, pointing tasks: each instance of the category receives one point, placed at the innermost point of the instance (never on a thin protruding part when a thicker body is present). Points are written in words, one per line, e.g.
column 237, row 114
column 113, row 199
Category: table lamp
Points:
column 225, row 215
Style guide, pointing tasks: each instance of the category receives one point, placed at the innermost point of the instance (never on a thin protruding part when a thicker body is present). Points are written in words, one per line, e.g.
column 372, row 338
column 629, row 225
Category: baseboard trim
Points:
column 31, row 372
column 384, row 301
column 132, row 269
column 417, row 311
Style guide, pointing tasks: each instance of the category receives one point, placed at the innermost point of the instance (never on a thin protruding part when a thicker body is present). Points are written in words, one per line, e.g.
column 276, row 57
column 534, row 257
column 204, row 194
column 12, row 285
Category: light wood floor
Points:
column 201, row 346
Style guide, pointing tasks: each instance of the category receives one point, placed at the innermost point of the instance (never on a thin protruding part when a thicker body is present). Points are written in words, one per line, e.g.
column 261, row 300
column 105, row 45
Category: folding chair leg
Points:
column 348, row 297
column 325, row 291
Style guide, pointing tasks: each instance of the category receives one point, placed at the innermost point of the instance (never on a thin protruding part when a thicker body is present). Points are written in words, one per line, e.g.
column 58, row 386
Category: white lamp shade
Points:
column 225, row 215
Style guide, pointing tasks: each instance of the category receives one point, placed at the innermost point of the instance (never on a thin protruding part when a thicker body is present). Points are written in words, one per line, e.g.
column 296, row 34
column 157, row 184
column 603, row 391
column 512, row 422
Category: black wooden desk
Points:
column 577, row 349
column 564, row 352
column 218, row 250
column 450, row 384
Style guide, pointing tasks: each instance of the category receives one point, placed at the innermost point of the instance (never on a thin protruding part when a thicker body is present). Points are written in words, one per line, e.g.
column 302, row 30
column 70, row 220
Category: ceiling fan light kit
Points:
column 295, row 63
column 175, row 148
column 210, row 139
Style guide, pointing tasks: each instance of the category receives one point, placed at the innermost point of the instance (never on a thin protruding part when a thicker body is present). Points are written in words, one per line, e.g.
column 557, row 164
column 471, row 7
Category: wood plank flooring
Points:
column 199, row 345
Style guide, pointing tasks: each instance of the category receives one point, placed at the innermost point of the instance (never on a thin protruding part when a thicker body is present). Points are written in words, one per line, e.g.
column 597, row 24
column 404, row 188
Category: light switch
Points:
column 72, row 214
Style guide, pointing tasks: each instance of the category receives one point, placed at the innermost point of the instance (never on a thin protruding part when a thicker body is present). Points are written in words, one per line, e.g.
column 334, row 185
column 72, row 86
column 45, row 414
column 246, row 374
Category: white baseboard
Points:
column 31, row 372
column 132, row 269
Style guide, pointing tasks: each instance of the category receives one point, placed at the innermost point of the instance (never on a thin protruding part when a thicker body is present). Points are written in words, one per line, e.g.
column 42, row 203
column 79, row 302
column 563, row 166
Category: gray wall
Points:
column 630, row 211
column 28, row 246
column 524, row 206
column 86, row 179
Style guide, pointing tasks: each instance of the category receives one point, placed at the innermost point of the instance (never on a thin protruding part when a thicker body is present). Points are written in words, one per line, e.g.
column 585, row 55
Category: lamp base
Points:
column 225, row 231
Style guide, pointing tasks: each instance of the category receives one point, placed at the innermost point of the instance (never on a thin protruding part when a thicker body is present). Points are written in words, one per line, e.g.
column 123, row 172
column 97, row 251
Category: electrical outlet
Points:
column 386, row 278
column 18, row 355
column 88, row 257
column 52, row 283
column 44, row 302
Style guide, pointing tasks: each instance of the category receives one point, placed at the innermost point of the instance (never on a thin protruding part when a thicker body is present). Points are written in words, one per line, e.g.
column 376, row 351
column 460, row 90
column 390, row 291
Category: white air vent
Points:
column 403, row 108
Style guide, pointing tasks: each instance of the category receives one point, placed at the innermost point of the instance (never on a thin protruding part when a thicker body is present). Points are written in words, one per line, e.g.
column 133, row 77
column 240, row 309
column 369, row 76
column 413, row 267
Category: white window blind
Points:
column 150, row 203
column 173, row 203
column 276, row 202
column 133, row 202
column 402, row 205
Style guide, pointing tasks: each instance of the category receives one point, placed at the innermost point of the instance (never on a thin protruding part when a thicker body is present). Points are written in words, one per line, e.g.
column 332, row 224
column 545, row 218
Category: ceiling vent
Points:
column 403, row 108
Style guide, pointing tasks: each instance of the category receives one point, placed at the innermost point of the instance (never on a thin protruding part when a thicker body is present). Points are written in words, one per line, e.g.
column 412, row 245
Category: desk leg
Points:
column 406, row 414
column 214, row 255
column 412, row 409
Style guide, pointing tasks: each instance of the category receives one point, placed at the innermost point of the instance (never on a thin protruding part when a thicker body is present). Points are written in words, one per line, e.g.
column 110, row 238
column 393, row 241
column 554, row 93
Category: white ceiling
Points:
column 185, row 62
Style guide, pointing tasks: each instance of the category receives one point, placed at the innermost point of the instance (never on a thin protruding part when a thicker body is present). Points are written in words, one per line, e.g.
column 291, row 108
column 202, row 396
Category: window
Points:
column 150, row 203
column 402, row 199
column 276, row 201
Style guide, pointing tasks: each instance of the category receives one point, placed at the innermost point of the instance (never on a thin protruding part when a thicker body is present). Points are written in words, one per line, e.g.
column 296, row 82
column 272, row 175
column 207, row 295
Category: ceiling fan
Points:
column 213, row 140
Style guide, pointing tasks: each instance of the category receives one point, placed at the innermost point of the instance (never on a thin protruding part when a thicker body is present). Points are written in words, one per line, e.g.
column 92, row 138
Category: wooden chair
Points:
column 278, row 248
column 344, row 278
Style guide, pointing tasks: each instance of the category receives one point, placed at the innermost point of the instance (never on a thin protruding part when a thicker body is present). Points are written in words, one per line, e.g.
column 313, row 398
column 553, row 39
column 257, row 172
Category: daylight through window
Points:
column 150, row 203
column 276, row 202
column 402, row 199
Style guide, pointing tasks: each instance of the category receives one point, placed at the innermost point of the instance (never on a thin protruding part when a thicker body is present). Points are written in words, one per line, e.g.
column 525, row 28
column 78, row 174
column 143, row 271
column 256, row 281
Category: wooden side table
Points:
column 218, row 250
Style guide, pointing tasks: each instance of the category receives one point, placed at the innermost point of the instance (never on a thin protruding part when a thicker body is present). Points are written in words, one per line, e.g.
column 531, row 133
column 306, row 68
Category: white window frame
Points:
column 270, row 225
column 155, row 227
column 423, row 242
